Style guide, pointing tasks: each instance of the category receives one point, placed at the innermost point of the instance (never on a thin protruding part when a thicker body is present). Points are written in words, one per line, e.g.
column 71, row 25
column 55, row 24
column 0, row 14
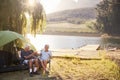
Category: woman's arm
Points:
column 50, row 54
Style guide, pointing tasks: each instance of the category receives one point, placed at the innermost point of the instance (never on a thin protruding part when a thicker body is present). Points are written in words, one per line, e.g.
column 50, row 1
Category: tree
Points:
column 20, row 15
column 115, row 17
column 103, row 15
column 108, row 16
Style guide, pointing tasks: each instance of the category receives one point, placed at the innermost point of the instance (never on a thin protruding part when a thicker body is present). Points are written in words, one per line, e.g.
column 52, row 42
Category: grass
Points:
column 76, row 69
column 72, row 69
column 69, row 68
column 68, row 27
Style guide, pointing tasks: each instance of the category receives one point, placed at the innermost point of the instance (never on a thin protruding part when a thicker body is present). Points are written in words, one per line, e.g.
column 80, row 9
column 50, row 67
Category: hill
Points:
column 75, row 16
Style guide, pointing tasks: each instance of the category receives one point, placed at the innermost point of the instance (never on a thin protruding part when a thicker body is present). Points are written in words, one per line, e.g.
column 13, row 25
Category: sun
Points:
column 76, row 1
column 50, row 5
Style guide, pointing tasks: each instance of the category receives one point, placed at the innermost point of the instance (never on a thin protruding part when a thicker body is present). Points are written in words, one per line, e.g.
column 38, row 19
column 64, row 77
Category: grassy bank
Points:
column 64, row 28
column 76, row 69
column 72, row 69
column 87, row 34
column 68, row 27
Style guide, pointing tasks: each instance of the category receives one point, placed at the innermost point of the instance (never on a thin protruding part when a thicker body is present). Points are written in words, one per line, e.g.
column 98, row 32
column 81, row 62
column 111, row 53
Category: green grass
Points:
column 77, row 69
column 68, row 27
column 72, row 69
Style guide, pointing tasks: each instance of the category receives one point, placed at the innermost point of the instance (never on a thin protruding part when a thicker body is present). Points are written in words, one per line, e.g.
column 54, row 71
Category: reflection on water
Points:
column 111, row 40
column 62, row 42
column 114, row 42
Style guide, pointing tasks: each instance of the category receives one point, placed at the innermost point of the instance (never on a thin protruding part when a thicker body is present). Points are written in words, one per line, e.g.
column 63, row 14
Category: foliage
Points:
column 19, row 15
column 108, row 16
column 92, row 24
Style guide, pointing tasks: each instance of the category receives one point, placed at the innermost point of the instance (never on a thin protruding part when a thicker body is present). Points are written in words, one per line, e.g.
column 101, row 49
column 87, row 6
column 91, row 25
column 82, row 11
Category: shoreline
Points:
column 82, row 34
column 85, row 34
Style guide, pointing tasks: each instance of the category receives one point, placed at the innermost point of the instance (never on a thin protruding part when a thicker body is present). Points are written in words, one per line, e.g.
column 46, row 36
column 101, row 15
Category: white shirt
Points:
column 45, row 55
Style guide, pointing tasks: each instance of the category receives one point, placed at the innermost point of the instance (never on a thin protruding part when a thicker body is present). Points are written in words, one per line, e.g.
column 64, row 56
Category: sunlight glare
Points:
column 27, row 15
column 31, row 2
column 50, row 5
column 76, row 1
column 39, row 41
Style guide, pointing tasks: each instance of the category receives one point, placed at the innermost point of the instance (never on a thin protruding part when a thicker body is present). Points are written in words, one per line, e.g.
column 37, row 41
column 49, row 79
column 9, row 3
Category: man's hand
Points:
column 36, row 54
column 25, row 57
column 31, row 55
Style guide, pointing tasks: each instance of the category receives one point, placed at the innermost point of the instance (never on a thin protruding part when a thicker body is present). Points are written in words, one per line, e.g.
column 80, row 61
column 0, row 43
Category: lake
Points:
column 67, row 42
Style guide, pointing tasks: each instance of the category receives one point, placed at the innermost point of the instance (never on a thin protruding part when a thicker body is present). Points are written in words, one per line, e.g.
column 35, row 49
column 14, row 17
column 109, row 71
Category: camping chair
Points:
column 48, row 63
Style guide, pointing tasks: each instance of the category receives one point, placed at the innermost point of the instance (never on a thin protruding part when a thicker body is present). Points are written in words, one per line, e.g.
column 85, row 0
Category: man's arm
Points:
column 31, row 55
column 26, row 57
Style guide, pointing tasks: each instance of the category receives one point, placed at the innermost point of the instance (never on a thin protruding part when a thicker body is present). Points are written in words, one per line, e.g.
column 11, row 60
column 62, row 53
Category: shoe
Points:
column 36, row 73
column 30, row 74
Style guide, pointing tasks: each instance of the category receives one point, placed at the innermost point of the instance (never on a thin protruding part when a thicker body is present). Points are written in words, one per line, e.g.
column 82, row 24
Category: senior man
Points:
column 30, row 60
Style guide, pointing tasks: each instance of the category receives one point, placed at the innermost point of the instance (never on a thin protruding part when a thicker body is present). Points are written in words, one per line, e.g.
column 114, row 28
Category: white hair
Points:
column 26, row 45
column 47, row 45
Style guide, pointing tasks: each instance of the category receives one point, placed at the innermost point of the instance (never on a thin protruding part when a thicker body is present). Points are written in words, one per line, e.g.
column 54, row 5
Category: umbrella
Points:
column 9, row 36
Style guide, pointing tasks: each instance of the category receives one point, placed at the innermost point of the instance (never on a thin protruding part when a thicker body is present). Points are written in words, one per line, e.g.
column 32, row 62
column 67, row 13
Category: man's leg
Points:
column 36, row 65
column 30, row 67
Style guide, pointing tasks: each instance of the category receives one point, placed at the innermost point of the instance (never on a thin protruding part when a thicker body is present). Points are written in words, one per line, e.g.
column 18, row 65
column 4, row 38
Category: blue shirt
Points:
column 45, row 55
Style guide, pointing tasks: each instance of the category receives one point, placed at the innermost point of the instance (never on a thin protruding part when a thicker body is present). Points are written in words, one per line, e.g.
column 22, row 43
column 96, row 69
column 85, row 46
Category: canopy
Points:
column 9, row 36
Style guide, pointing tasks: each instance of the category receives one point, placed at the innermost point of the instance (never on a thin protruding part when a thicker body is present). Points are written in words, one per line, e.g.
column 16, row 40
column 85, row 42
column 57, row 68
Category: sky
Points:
column 51, row 6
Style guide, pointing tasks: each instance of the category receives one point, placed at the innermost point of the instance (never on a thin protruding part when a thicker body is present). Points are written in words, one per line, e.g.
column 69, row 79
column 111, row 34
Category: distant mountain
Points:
column 76, row 16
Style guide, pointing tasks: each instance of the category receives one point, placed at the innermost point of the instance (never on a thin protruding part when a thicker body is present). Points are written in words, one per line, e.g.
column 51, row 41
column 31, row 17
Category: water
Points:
column 62, row 42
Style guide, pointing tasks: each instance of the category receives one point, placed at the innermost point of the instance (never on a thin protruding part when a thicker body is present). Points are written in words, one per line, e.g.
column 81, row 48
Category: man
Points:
column 28, row 58
column 45, row 57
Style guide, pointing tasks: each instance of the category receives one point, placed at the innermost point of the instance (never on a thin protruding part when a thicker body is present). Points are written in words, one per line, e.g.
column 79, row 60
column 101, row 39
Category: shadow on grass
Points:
column 33, row 78
column 43, row 78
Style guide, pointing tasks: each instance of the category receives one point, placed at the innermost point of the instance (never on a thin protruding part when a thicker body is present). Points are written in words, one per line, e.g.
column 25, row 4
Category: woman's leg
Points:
column 42, row 63
column 45, row 64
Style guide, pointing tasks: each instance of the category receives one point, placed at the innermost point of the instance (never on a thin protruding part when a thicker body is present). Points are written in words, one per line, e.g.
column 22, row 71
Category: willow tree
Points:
column 21, row 15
